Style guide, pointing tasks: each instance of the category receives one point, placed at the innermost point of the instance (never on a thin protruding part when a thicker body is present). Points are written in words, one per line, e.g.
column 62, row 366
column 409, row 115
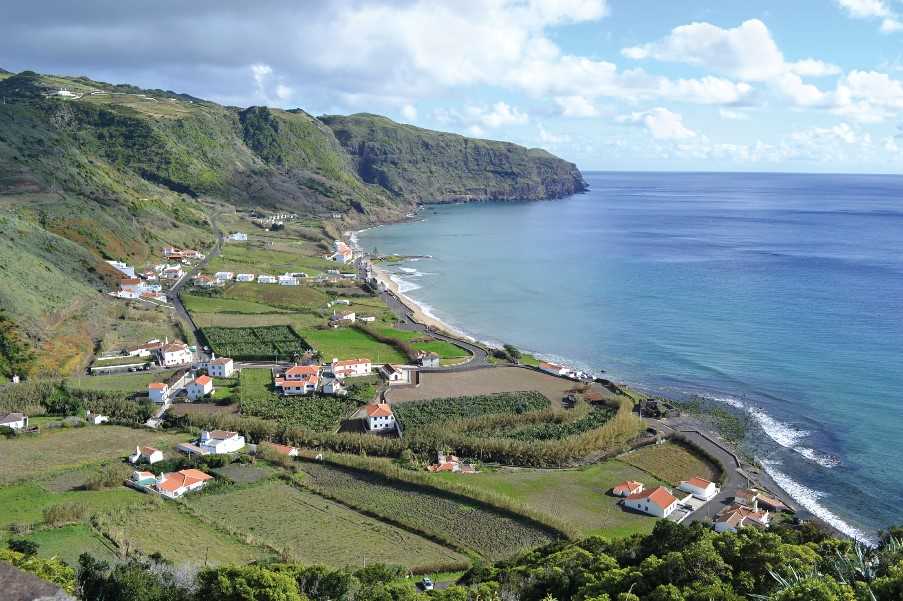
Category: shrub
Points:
column 22, row 545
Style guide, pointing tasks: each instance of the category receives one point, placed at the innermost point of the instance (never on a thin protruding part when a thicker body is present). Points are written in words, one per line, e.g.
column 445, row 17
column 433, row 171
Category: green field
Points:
column 127, row 382
column 244, row 474
column 317, row 412
column 68, row 542
column 421, row 414
column 314, row 530
column 261, row 343
column 247, row 257
column 294, row 298
column 348, row 343
column 113, row 361
column 25, row 503
column 467, row 524
column 55, row 450
column 671, row 463
column 216, row 304
column 580, row 496
column 419, row 341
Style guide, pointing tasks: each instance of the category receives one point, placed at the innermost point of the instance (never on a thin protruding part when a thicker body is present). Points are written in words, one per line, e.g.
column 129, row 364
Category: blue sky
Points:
column 800, row 85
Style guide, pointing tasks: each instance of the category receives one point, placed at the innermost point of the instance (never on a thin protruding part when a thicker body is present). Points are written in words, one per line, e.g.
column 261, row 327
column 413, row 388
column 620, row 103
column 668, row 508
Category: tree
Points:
column 16, row 355
column 247, row 583
column 23, row 545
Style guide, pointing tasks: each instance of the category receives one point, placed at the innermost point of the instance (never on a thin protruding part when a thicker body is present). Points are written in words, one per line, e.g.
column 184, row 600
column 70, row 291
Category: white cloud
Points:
column 891, row 25
column 576, row 106
column 499, row 114
column 661, row 123
column 732, row 115
column 409, row 112
column 547, row 137
column 891, row 20
column 810, row 67
column 868, row 96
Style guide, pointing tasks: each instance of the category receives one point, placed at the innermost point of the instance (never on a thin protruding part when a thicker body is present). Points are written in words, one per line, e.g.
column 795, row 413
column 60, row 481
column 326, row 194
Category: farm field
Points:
column 248, row 257
column 421, row 414
column 349, row 343
column 255, row 343
column 51, row 451
column 127, row 382
column 315, row 530
column 314, row 411
column 215, row 304
column 483, row 381
column 580, row 497
column 466, row 523
column 445, row 350
column 68, row 542
column 284, row 298
column 670, row 463
column 179, row 536
column 244, row 474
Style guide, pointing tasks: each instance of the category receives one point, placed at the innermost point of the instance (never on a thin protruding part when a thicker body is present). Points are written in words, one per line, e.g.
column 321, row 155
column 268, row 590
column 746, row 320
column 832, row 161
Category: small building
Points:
column 146, row 455
column 625, row 489
column 281, row 449
column 380, row 417
column 430, row 359
column 205, row 281
column 245, row 277
column 143, row 479
column 173, row 485
column 238, row 237
column 131, row 287
column 751, row 497
column 554, row 368
column 158, row 392
column 450, row 463
column 397, row 375
column 700, row 488
column 224, row 276
column 96, row 419
column 334, row 386
column 122, row 268
column 351, row 368
column 658, row 502
column 200, row 387
column 174, row 353
column 172, row 272
column 221, row 367
column 735, row 517
column 342, row 317
column 220, row 442
column 14, row 421
column 299, row 379
column 366, row 318
column 288, row 280
column 266, row 279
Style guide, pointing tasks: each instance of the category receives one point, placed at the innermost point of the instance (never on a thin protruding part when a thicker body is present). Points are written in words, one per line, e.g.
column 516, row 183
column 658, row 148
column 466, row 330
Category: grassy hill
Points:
column 92, row 171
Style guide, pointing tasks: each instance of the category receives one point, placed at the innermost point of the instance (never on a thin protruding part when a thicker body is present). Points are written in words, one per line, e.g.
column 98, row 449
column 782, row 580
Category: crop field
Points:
column 179, row 536
column 255, row 343
column 580, row 496
column 251, row 258
column 68, row 542
column 76, row 479
column 320, row 413
column 467, row 524
column 542, row 426
column 349, row 343
column 670, row 463
column 420, row 414
column 244, row 474
column 293, row 298
column 55, row 450
column 315, row 530
column 482, row 382
column 445, row 350
column 25, row 503
column 216, row 304
column 127, row 382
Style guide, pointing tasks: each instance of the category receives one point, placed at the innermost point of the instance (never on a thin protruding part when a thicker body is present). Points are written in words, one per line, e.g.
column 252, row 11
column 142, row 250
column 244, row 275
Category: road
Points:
column 174, row 293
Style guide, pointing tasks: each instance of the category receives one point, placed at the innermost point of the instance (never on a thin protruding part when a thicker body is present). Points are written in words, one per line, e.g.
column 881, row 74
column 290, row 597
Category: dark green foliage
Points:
column 257, row 343
column 420, row 414
column 16, row 355
column 22, row 545
column 55, row 397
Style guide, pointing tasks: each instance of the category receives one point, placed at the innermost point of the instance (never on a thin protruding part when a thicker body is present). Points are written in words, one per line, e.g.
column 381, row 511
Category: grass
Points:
column 463, row 523
column 294, row 298
column 348, row 343
column 579, row 497
column 216, row 304
column 127, row 382
column 445, row 350
column 670, row 463
column 225, row 391
column 316, row 412
column 315, row 530
column 244, row 474
column 53, row 451
column 68, row 542
column 248, row 257
column 122, row 361
column 25, row 503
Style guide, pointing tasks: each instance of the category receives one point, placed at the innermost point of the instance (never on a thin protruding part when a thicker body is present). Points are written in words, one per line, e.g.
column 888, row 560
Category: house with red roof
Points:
column 146, row 455
column 200, row 387
column 735, row 517
column 351, row 368
column 627, row 488
column 221, row 367
column 299, row 379
column 379, row 417
column 173, row 485
column 658, row 502
column 700, row 488
column 281, row 449
column 158, row 392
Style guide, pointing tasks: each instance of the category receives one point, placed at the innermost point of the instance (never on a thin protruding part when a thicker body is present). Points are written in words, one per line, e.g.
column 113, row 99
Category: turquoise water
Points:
column 779, row 295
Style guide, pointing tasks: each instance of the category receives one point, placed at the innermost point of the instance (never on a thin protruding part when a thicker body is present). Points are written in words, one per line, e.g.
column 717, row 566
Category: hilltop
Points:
column 92, row 171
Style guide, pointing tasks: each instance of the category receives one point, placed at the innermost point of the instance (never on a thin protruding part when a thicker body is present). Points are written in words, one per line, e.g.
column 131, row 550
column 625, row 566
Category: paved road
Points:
column 480, row 359
column 174, row 293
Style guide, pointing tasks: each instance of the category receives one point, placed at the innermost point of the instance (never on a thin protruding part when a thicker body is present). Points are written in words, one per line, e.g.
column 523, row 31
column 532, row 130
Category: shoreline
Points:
column 761, row 469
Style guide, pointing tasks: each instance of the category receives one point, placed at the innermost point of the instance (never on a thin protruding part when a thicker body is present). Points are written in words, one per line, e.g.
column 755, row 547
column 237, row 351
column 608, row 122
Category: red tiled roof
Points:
column 626, row 487
column 221, row 361
column 173, row 481
column 660, row 496
column 157, row 386
column 203, row 380
column 279, row 448
column 222, row 434
column 303, row 370
column 698, row 482
column 149, row 451
column 379, row 410
column 348, row 362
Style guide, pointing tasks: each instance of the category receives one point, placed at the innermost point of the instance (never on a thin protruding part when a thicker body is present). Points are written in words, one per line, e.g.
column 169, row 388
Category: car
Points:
column 426, row 584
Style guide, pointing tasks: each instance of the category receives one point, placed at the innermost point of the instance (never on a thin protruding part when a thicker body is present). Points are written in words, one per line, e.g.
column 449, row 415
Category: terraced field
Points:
column 314, row 530
column 467, row 524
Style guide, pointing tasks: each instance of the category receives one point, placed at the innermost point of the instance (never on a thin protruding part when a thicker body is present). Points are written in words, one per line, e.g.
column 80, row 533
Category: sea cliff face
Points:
column 427, row 166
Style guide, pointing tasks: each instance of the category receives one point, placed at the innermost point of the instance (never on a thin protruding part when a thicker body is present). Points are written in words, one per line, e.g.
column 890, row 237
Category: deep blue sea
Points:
column 780, row 295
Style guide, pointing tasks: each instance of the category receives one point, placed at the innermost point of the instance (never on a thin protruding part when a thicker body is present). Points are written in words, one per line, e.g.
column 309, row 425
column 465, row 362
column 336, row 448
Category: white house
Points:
column 430, row 359
column 351, row 368
column 174, row 353
column 288, row 280
column 122, row 268
column 380, row 417
column 16, row 421
column 175, row 484
column 172, row 272
column 343, row 317
column 200, row 387
column 158, row 392
column 554, row 368
column 700, row 488
column 366, row 318
column 221, row 367
column 625, row 489
column 244, row 277
column 334, row 386
column 343, row 253
column 96, row 419
column 266, row 279
column 396, row 375
column 224, row 276
column 238, row 237
column 658, row 502
column 737, row 516
column 146, row 455
column 218, row 442
column 132, row 287
column 299, row 379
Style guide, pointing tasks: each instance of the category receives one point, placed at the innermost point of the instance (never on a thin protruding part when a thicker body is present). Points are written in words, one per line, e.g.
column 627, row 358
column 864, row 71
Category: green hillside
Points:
column 92, row 171
column 429, row 166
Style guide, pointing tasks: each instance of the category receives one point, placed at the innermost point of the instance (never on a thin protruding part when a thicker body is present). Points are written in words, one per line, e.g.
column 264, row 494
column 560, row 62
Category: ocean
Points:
column 778, row 295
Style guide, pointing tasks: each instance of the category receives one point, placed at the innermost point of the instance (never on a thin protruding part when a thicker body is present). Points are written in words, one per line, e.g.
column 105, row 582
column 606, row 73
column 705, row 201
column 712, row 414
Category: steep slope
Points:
column 429, row 166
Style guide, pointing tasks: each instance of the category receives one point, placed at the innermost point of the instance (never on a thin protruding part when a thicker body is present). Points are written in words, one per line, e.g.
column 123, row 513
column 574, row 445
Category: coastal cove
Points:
column 776, row 295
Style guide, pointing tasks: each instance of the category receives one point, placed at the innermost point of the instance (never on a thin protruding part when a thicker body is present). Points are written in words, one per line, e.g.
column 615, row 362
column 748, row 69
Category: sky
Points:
column 727, row 85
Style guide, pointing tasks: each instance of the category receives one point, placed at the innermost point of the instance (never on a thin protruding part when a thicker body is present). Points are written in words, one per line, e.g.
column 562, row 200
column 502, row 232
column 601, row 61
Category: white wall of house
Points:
column 158, row 395
column 381, row 422
column 648, row 507
column 221, row 370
